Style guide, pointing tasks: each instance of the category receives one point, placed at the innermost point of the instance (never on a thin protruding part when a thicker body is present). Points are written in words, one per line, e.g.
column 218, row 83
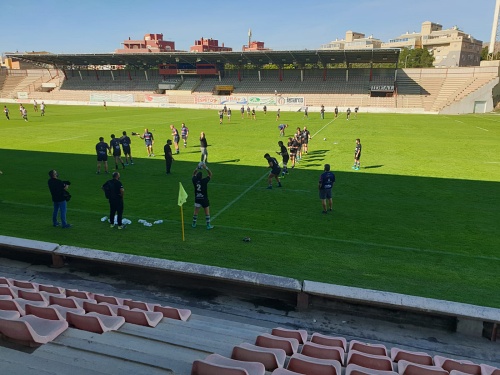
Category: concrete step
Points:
column 140, row 350
column 16, row 362
column 91, row 361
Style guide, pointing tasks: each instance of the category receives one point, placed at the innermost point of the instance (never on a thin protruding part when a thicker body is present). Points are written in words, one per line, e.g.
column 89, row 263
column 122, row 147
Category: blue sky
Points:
column 75, row 26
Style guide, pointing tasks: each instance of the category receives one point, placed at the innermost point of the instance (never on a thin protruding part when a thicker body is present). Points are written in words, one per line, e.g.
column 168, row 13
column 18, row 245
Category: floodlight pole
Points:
column 494, row 31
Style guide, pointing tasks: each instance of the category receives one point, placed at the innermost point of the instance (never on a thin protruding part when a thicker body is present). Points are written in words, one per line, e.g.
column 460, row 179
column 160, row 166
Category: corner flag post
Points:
column 181, row 200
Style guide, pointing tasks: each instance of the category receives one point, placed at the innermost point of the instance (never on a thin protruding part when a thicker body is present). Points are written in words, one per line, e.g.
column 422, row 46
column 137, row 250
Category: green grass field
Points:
column 421, row 217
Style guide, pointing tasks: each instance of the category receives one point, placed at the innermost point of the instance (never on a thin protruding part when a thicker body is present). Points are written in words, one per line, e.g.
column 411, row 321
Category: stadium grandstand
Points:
column 121, row 314
column 346, row 78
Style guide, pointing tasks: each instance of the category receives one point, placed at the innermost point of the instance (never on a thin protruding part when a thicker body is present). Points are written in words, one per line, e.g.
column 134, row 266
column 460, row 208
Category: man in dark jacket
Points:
column 114, row 192
column 58, row 191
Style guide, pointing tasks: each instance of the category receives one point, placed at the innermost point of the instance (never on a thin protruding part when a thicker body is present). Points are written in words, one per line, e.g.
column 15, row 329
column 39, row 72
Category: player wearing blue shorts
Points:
column 149, row 141
column 126, row 142
column 326, row 181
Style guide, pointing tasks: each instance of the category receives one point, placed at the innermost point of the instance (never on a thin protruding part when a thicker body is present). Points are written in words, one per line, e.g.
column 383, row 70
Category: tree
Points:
column 415, row 58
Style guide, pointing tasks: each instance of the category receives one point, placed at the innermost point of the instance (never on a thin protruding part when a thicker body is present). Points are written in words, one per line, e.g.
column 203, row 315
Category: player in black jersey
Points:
column 115, row 148
column 284, row 154
column 275, row 171
column 125, row 142
column 102, row 149
column 201, row 195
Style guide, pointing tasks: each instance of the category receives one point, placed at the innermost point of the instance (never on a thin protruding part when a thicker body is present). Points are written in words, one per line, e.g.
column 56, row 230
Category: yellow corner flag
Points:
column 182, row 195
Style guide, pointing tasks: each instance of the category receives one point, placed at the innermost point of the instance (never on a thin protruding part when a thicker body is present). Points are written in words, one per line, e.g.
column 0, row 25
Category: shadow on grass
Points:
column 384, row 219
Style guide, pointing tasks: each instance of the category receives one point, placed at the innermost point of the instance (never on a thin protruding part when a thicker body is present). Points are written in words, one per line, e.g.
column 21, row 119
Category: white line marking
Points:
column 328, row 123
column 62, row 139
column 295, row 234
column 238, row 197
column 486, row 130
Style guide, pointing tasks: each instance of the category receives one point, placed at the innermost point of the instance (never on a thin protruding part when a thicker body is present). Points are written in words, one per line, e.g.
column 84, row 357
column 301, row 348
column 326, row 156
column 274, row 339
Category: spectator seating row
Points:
column 293, row 352
column 35, row 314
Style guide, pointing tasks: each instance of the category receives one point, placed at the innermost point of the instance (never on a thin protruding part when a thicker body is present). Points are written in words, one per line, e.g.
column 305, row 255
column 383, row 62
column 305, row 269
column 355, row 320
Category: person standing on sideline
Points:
column 264, row 109
column 149, row 141
column 35, row 106
column 58, row 192
column 203, row 148
column 42, row 109
column 357, row 155
column 184, row 134
column 336, row 111
column 348, row 113
column 104, row 104
column 306, row 112
column 322, row 112
column 102, row 149
column 168, row 155
column 125, row 142
column 6, row 111
column 284, row 154
column 326, row 181
column 242, row 111
column 115, row 148
column 248, row 112
column 275, row 171
column 229, row 112
column 356, row 109
column 200, row 184
column 278, row 114
column 115, row 192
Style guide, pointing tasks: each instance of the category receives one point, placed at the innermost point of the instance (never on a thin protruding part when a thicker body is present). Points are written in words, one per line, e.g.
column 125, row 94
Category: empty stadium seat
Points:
column 299, row 334
column 102, row 308
column 5, row 281
column 12, row 305
column 313, row 366
column 377, row 349
column 7, row 291
column 271, row 358
column 318, row 338
column 449, row 364
column 409, row 368
column 353, row 369
column 79, row 294
column 32, row 330
column 108, row 299
column 289, row 345
column 25, row 284
column 173, row 313
column 489, row 370
column 415, row 357
column 373, row 361
column 51, row 289
column 139, row 305
column 141, row 317
column 312, row 349
column 32, row 296
column 43, row 312
column 94, row 322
